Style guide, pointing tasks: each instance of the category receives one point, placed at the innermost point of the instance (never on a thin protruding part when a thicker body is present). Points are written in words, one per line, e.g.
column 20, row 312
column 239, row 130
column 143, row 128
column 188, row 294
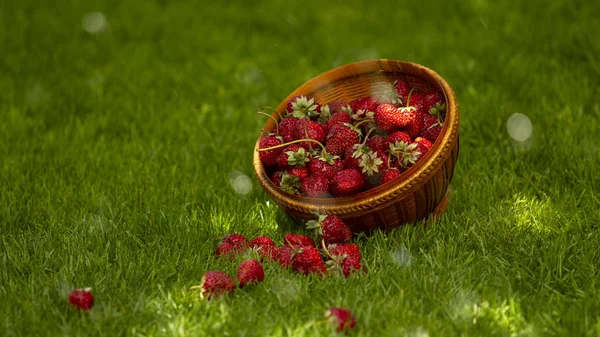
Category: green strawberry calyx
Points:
column 304, row 107
column 370, row 163
column 290, row 183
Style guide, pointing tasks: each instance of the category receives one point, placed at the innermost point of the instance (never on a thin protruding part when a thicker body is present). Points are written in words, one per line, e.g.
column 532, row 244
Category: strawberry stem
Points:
column 273, row 118
column 367, row 136
column 325, row 249
column 408, row 97
column 290, row 143
column 362, row 122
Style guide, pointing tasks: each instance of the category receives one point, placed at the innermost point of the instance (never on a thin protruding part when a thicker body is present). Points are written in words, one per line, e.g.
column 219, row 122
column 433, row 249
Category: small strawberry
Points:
column 300, row 172
column 431, row 131
column 215, row 283
column 276, row 178
column 287, row 128
column 337, row 118
column 424, row 142
column 315, row 187
column 415, row 123
column 346, row 257
column 339, row 106
column 390, row 118
column 377, row 143
column 325, row 165
column 346, row 183
column 373, row 163
column 308, row 260
column 342, row 137
column 416, row 100
column 285, row 256
column 269, row 157
column 250, row 271
column 82, row 299
column 239, row 242
column 403, row 89
column 364, row 103
column 389, row 175
column 331, row 228
column 265, row 247
column 290, row 184
column 307, row 129
column 262, row 241
column 341, row 318
column 226, row 250
column 298, row 240
column 397, row 136
column 352, row 156
column 303, row 107
column 293, row 155
column 434, row 103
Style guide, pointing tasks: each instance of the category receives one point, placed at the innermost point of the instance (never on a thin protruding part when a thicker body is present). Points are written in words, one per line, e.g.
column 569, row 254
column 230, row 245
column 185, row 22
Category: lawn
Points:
column 118, row 146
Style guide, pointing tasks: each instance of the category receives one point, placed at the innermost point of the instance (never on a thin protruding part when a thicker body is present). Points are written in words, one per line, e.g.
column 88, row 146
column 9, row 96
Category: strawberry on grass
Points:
column 214, row 284
column 250, row 271
column 341, row 318
column 308, row 260
column 332, row 228
column 82, row 299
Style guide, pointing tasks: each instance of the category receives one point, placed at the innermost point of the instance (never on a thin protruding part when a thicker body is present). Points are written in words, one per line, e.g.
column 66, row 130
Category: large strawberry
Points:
column 416, row 100
column 342, row 137
column 390, row 118
column 308, row 260
column 250, row 271
column 415, row 123
column 307, row 129
column 293, row 155
column 346, row 183
column 398, row 136
column 265, row 248
column 346, row 257
column 276, row 178
column 269, row 157
column 285, row 255
column 434, row 103
column 303, row 107
column 332, row 228
column 325, row 165
column 316, row 187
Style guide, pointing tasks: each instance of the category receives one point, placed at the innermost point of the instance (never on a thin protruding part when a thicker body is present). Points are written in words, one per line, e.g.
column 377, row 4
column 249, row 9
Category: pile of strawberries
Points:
column 340, row 149
column 334, row 255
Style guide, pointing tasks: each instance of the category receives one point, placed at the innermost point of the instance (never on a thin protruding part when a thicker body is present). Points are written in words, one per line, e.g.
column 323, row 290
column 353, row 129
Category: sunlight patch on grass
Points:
column 530, row 213
column 506, row 317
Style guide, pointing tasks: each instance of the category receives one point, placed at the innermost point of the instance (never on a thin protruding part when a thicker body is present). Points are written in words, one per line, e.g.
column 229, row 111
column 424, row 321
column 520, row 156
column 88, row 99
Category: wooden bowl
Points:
column 420, row 192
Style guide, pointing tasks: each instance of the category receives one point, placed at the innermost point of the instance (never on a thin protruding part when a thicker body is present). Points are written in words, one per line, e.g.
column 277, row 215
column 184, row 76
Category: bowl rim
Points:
column 416, row 176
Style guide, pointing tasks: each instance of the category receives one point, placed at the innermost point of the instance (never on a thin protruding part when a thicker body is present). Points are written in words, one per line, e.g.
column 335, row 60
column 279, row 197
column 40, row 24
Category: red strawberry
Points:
column 307, row 129
column 338, row 106
column 250, row 271
column 287, row 128
column 350, row 249
column 341, row 318
column 238, row 241
column 405, row 155
column 372, row 163
column 402, row 88
column 276, row 178
column 346, row 183
column 347, row 257
column 337, row 118
column 308, row 260
column 262, row 241
column 424, row 142
column 352, row 156
column 300, row 172
column 415, row 123
column 265, row 247
column 389, row 118
column 325, row 166
column 290, row 184
column 315, row 187
column 215, row 283
column 298, row 240
column 416, row 100
column 431, row 132
column 389, row 175
column 397, row 136
column 341, row 137
column 303, row 107
column 332, row 228
column 434, row 103
column 269, row 157
column 82, row 299
column 285, row 256
column 377, row 143
column 226, row 250
column 364, row 103
column 293, row 155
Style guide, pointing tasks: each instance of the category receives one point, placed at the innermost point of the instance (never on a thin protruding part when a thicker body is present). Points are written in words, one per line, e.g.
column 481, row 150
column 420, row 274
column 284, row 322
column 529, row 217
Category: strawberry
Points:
column 250, row 271
column 215, row 283
column 341, row 318
column 352, row 155
column 405, row 154
column 276, row 178
column 293, row 155
column 373, row 163
column 432, row 128
column 389, row 118
column 300, row 172
column 403, row 89
column 416, row 100
column 226, row 250
column 415, row 123
column 269, row 157
column 261, row 240
column 325, row 165
column 425, row 143
column 316, row 187
column 285, row 256
column 239, row 242
column 290, row 184
column 346, row 256
column 346, row 183
column 386, row 94
column 389, row 175
column 265, row 247
column 82, row 299
column 287, row 128
column 434, row 103
column 308, row 260
column 307, row 129
column 397, row 136
column 364, row 103
column 298, row 240
column 337, row 118
column 339, row 106
column 341, row 137
column 377, row 143
column 332, row 228
column 303, row 107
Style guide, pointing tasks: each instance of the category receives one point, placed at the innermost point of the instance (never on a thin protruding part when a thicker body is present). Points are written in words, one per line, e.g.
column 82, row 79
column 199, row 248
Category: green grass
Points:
column 116, row 152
